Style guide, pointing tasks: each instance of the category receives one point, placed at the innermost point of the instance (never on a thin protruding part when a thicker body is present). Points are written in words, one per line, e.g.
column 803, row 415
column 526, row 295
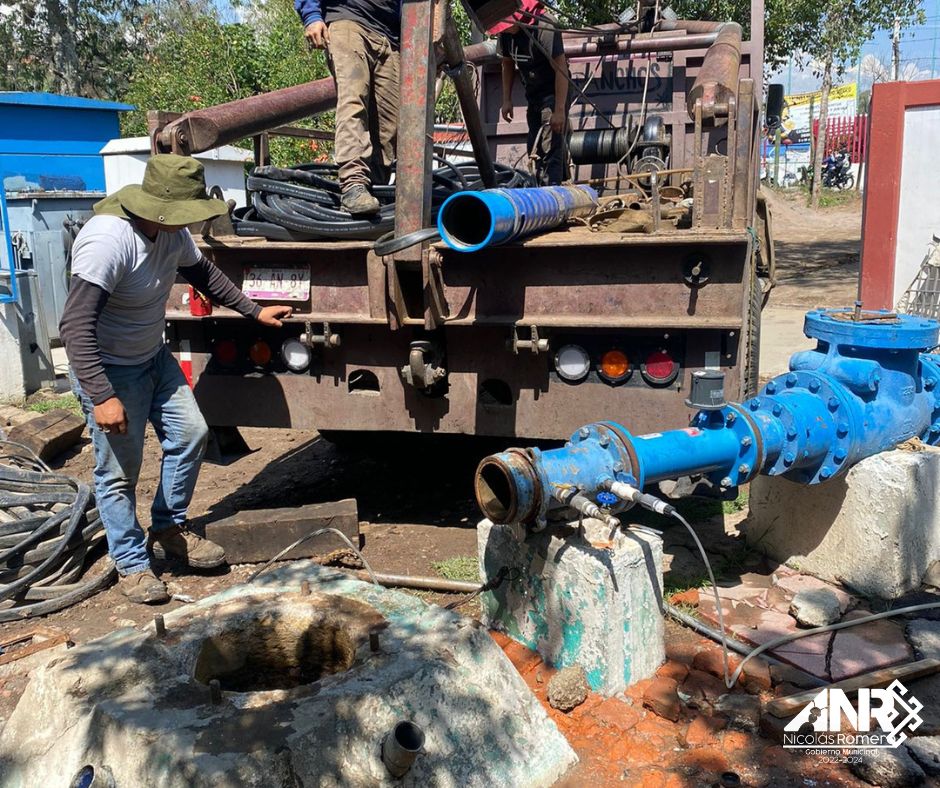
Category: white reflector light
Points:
column 572, row 363
column 296, row 355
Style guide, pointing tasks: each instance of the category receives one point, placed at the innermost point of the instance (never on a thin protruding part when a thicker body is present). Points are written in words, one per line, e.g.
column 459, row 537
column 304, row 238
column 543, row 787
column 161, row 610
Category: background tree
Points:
column 842, row 26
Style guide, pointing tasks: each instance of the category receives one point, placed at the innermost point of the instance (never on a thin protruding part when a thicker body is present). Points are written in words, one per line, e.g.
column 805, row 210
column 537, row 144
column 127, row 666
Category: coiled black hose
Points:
column 303, row 203
column 48, row 527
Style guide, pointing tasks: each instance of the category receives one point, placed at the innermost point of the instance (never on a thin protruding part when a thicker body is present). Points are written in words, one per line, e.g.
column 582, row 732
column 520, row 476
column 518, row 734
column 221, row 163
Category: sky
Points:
column 920, row 54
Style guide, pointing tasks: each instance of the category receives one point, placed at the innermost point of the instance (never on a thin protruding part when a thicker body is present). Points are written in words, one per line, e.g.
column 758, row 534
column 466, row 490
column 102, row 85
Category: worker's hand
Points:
column 111, row 417
column 271, row 315
column 318, row 34
column 506, row 111
column 557, row 121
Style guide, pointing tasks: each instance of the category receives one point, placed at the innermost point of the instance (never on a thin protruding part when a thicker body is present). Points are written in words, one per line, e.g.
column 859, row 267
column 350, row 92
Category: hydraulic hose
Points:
column 304, row 203
column 48, row 527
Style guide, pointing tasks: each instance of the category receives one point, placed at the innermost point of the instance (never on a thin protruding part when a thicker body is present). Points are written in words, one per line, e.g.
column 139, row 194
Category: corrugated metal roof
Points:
column 55, row 100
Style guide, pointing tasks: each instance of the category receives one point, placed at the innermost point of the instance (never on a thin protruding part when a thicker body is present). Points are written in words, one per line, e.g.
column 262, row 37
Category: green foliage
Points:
column 204, row 62
column 65, row 402
column 461, row 567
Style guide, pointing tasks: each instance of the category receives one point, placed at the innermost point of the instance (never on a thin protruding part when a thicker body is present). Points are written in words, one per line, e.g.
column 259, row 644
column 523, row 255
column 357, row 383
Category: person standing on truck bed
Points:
column 124, row 262
column 362, row 39
column 535, row 48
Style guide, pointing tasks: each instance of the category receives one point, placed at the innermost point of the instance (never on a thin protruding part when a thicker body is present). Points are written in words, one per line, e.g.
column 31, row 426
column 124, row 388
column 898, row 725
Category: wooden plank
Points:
column 790, row 704
column 51, row 433
column 256, row 535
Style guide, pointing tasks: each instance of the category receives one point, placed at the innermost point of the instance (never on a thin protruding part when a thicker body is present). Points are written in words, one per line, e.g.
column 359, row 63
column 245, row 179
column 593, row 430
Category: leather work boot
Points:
column 144, row 588
column 176, row 542
column 357, row 200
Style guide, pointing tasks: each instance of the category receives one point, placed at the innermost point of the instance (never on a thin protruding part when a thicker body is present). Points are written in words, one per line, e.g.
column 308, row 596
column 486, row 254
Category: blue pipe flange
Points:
column 750, row 452
column 801, row 458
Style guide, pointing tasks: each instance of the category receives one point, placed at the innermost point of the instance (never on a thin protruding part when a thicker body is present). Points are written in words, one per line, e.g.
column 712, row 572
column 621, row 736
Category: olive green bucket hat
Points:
column 173, row 193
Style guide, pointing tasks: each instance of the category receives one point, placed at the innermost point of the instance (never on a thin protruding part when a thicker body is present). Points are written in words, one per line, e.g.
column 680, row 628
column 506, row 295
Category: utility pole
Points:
column 896, row 50
column 933, row 51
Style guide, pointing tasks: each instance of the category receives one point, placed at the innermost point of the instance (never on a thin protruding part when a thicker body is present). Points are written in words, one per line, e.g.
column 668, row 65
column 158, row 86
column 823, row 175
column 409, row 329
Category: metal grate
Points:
column 923, row 296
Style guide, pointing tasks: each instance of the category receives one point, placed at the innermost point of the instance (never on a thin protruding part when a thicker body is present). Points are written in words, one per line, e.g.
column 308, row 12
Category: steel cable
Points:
column 48, row 527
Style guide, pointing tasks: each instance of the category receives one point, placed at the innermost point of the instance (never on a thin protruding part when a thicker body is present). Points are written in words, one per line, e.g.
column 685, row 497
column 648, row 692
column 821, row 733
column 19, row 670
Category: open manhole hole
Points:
column 283, row 649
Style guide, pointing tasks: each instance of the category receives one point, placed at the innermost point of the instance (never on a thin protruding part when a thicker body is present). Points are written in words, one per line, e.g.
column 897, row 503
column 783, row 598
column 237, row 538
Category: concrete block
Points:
column 257, row 535
column 305, row 699
column 877, row 529
column 51, row 433
column 578, row 597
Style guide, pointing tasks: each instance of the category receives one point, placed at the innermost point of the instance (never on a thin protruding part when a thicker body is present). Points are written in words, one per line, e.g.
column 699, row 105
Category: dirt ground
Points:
column 817, row 266
column 416, row 506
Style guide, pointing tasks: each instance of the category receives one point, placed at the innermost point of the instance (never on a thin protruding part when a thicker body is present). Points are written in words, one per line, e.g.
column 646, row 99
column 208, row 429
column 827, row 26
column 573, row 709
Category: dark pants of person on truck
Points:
column 534, row 47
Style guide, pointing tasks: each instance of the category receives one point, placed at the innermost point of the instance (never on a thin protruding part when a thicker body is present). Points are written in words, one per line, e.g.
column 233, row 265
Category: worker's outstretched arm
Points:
column 560, row 112
column 209, row 280
column 509, row 76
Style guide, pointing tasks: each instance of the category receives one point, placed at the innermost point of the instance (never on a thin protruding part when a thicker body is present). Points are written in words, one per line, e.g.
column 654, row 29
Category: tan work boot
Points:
column 357, row 200
column 177, row 542
column 144, row 588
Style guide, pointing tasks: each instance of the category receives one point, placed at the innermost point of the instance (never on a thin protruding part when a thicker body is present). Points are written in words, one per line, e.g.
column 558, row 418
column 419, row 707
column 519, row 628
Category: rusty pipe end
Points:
column 507, row 488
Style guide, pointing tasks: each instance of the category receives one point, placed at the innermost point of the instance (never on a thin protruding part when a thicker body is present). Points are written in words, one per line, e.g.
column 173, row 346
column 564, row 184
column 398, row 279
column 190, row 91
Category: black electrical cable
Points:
column 48, row 527
column 304, row 203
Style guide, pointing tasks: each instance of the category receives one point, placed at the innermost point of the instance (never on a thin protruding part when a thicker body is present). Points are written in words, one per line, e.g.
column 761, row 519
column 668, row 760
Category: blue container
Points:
column 469, row 221
column 53, row 143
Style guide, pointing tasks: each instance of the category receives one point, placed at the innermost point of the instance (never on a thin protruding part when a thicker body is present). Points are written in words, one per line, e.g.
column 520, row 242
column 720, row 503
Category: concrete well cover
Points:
column 304, row 699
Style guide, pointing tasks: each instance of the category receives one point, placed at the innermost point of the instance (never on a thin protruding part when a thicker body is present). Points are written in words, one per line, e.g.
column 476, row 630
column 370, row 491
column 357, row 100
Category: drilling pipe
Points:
column 866, row 387
column 471, row 220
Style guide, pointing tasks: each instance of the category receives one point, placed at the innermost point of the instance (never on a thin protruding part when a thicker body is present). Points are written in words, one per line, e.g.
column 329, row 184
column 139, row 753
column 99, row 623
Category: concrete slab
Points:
column 876, row 530
column 304, row 699
column 584, row 598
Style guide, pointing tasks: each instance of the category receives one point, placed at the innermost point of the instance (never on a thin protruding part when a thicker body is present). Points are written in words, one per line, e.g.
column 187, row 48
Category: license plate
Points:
column 277, row 284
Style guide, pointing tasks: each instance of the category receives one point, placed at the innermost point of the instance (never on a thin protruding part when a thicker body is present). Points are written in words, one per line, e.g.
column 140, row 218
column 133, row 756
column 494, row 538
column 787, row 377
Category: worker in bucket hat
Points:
column 530, row 43
column 124, row 263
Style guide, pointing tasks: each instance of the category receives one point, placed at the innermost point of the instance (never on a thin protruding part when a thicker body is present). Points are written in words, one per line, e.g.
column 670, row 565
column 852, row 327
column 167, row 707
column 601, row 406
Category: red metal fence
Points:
column 851, row 131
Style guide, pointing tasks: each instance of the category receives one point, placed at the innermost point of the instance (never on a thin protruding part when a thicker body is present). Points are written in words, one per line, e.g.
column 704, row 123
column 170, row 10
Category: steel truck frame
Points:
column 431, row 340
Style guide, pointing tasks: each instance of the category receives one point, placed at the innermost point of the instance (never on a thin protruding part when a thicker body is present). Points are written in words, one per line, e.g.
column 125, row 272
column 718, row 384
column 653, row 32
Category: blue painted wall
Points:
column 53, row 141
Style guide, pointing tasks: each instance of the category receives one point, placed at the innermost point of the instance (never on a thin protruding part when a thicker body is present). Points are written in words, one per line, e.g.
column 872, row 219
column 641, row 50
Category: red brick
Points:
column 643, row 753
column 682, row 651
column 673, row 670
column 710, row 660
column 708, row 759
column 704, row 730
column 616, row 714
column 703, row 686
column 689, row 597
column 522, row 658
column 661, row 696
column 501, row 638
column 653, row 778
column 735, row 742
column 757, row 676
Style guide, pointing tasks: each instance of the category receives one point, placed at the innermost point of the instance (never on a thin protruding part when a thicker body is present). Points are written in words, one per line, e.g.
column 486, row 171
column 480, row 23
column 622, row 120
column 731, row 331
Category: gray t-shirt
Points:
column 138, row 273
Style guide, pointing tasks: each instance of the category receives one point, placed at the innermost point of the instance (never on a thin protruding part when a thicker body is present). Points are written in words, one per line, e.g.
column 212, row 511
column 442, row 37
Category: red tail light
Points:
column 225, row 351
column 260, row 353
column 659, row 368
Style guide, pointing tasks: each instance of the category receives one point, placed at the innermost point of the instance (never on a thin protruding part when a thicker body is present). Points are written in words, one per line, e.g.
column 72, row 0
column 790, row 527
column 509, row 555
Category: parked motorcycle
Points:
column 837, row 170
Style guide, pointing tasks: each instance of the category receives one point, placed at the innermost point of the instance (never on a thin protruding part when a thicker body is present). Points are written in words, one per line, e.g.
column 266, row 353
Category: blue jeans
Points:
column 154, row 391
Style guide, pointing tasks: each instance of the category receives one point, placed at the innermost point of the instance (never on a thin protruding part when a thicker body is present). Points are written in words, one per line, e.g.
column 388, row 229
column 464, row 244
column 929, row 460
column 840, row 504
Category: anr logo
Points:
column 882, row 720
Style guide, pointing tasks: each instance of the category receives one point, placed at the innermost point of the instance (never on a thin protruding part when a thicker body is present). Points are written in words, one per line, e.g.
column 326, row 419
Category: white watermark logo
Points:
column 882, row 719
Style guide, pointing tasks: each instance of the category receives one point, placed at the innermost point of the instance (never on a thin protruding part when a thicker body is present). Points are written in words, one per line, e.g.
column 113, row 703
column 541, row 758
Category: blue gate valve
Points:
column 867, row 386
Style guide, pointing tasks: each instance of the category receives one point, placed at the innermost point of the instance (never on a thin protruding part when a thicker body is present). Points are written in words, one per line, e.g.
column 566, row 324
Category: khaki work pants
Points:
column 365, row 68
